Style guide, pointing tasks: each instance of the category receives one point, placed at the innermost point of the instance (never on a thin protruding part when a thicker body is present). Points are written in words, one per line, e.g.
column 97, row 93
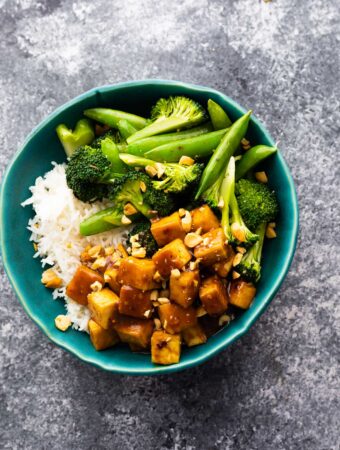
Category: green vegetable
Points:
column 104, row 220
column 83, row 134
column 90, row 168
column 171, row 114
column 212, row 196
column 174, row 177
column 128, row 189
column 111, row 117
column 250, row 266
column 139, row 148
column 257, row 202
column 224, row 151
column 218, row 116
column 232, row 223
column 125, row 128
column 145, row 238
column 196, row 147
column 251, row 158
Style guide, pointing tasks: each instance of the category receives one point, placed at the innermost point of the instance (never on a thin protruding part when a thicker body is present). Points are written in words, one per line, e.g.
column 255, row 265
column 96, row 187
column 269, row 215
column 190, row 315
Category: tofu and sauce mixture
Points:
column 157, row 227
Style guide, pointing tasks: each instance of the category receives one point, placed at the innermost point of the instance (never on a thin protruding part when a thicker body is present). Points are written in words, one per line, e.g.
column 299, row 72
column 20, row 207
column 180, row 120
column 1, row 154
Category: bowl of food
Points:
column 147, row 225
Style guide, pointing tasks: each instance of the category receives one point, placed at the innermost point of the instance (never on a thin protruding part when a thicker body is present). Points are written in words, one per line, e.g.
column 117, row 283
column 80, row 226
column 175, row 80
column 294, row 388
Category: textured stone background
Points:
column 276, row 388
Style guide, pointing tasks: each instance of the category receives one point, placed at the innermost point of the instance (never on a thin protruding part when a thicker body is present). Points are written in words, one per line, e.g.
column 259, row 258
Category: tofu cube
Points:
column 194, row 335
column 137, row 273
column 184, row 289
column 174, row 318
column 111, row 273
column 165, row 348
column 213, row 295
column 174, row 255
column 134, row 302
column 135, row 332
column 103, row 306
column 80, row 285
column 101, row 338
column 241, row 293
column 213, row 248
column 223, row 268
column 167, row 229
column 203, row 217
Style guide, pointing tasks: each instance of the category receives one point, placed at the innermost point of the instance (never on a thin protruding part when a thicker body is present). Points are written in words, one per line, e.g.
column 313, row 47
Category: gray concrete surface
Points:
column 276, row 388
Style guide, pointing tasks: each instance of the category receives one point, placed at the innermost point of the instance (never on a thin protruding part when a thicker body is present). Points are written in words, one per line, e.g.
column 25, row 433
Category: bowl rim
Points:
column 218, row 347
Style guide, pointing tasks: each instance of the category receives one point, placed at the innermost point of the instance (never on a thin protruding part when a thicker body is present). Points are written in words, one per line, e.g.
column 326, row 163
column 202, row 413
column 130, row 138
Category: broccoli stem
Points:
column 136, row 161
column 111, row 117
column 83, row 134
column 227, row 191
column 139, row 148
column 104, row 220
column 125, row 128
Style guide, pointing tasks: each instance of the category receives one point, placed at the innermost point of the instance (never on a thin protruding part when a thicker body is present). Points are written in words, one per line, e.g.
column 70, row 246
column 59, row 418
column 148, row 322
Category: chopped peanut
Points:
column 50, row 279
column 62, row 322
column 129, row 209
column 261, row 177
column 238, row 232
column 125, row 220
column 192, row 239
column 186, row 222
column 142, row 186
column 237, row 259
column 270, row 233
column 97, row 286
column 95, row 251
column 139, row 253
column 235, row 275
column 186, row 161
column 151, row 171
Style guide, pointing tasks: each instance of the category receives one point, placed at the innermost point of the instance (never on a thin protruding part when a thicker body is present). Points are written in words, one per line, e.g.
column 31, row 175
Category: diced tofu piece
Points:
column 167, row 229
column 203, row 217
column 241, row 293
column 194, row 335
column 103, row 306
column 165, row 348
column 134, row 302
column 137, row 273
column 174, row 255
column 134, row 331
column 213, row 248
column 101, row 338
column 184, row 288
column 80, row 285
column 111, row 275
column 222, row 268
column 174, row 318
column 213, row 295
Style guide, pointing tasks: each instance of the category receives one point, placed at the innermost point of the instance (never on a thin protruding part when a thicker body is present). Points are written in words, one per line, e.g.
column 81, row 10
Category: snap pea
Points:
column 218, row 116
column 101, row 221
column 125, row 128
column 139, row 148
column 253, row 157
column 223, row 152
column 111, row 117
column 110, row 150
column 196, row 147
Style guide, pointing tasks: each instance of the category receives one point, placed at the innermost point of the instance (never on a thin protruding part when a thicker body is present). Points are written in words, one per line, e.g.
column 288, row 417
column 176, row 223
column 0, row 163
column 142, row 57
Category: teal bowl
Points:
column 34, row 159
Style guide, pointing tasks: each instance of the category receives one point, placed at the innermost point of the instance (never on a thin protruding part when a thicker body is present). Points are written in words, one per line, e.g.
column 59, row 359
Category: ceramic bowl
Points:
column 34, row 159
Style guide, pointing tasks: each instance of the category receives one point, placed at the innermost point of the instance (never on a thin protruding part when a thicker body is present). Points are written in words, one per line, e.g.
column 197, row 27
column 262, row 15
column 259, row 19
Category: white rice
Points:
column 55, row 230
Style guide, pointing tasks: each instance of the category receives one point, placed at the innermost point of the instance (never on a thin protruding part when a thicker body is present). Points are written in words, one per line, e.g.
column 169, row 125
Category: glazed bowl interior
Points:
column 34, row 159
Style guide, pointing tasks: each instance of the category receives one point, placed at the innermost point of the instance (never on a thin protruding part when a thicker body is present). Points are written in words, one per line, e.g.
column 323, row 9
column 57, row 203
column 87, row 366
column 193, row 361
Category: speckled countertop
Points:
column 277, row 387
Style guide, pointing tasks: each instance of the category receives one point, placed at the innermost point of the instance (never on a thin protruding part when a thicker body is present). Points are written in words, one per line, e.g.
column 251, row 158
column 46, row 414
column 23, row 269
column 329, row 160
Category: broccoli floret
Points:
column 142, row 231
column 250, row 266
column 171, row 114
column 113, row 135
column 232, row 222
column 257, row 203
column 87, row 192
column 136, row 188
column 174, row 177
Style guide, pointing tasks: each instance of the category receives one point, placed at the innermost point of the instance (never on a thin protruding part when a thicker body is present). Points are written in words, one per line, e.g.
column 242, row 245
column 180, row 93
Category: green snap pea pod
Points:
column 104, row 220
column 196, row 147
column 218, row 116
column 139, row 148
column 251, row 158
column 110, row 150
column 223, row 152
column 82, row 134
column 111, row 117
column 125, row 128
